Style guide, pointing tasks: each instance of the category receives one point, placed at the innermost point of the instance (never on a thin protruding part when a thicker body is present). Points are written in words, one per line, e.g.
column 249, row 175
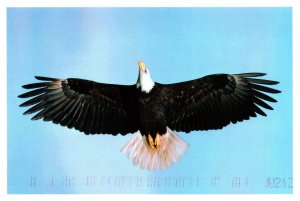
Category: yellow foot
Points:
column 154, row 144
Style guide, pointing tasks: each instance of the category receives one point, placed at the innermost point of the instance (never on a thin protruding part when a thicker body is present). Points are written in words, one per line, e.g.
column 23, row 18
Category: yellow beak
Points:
column 142, row 66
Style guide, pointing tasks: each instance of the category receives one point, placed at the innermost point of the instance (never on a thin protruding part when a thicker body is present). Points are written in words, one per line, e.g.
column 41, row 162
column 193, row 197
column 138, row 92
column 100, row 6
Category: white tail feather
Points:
column 172, row 147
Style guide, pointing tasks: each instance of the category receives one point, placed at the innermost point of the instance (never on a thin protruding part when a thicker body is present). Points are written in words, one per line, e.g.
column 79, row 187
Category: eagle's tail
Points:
column 142, row 154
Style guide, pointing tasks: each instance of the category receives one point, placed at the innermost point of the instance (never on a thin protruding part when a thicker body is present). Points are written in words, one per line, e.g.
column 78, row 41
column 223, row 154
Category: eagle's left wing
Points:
column 214, row 101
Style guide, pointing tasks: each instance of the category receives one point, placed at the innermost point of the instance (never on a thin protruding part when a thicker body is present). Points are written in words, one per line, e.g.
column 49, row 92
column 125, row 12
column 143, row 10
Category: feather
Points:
column 258, row 110
column 260, row 81
column 233, row 110
column 205, row 113
column 85, row 107
column 59, row 117
column 49, row 108
column 262, row 103
column 57, row 105
column 46, row 78
column 70, row 113
column 96, row 118
column 89, row 118
column 39, row 115
column 92, row 118
column 226, row 111
column 252, row 113
column 237, row 105
column 56, row 117
column 100, row 121
column 72, row 121
column 71, row 93
column 57, row 101
column 263, row 88
column 54, row 91
column 263, row 96
column 242, row 96
column 35, row 108
column 34, row 100
column 241, row 91
column 55, row 96
column 219, row 113
column 55, row 85
column 250, row 74
column 36, row 85
column 243, row 86
column 32, row 93
column 229, row 87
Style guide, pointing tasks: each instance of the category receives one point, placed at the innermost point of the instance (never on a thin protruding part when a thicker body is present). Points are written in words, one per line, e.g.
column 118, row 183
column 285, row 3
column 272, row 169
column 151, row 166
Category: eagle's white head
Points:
column 144, row 82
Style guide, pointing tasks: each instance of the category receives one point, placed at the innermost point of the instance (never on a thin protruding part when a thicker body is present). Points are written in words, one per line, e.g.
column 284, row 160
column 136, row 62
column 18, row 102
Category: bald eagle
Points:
column 150, row 110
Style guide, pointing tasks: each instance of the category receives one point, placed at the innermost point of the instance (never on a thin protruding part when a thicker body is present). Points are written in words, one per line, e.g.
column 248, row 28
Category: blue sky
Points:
column 177, row 44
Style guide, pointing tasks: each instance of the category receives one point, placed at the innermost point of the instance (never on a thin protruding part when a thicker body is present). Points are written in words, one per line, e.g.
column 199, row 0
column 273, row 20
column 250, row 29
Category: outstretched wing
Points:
column 214, row 101
column 87, row 106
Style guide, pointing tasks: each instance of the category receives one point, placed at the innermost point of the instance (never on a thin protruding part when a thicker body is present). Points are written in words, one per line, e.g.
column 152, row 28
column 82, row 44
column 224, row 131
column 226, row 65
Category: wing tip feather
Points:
column 252, row 74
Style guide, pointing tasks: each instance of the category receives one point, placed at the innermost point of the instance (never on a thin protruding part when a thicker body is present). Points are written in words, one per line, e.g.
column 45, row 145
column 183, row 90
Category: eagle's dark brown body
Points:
column 152, row 112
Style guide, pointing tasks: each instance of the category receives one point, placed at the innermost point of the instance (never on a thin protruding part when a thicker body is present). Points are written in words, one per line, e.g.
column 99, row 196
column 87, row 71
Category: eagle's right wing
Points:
column 214, row 101
column 87, row 106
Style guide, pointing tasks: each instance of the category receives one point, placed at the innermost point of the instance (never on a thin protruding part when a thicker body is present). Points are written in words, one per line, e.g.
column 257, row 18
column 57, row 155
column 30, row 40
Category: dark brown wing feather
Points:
column 87, row 106
column 214, row 101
